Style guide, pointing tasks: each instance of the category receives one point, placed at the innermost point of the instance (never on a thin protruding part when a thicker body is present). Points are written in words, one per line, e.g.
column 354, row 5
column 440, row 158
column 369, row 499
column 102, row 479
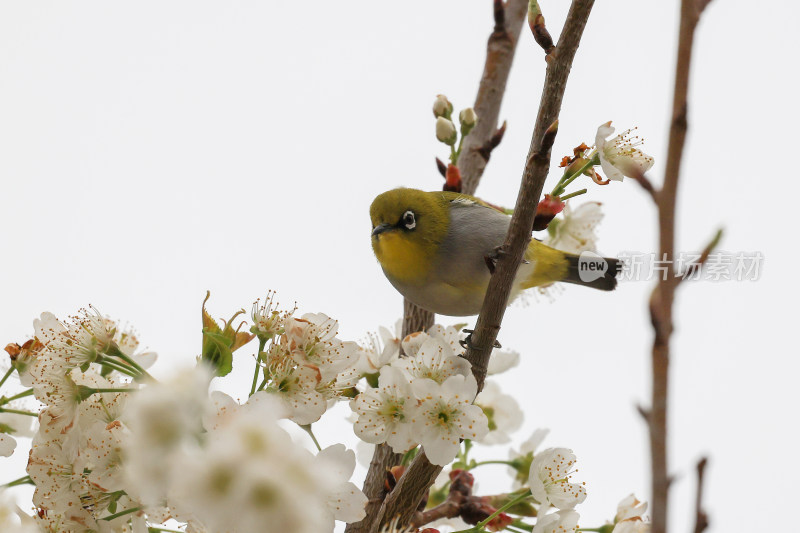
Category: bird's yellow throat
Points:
column 401, row 258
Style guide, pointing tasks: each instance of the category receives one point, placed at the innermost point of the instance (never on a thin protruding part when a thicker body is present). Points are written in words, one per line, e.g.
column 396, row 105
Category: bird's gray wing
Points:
column 474, row 233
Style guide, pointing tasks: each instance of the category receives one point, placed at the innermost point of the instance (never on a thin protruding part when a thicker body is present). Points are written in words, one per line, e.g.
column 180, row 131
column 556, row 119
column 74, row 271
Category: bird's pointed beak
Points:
column 380, row 228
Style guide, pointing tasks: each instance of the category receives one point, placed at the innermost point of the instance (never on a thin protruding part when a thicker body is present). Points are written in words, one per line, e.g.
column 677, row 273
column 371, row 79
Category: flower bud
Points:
column 547, row 210
column 442, row 107
column 452, row 179
column 446, row 131
column 468, row 119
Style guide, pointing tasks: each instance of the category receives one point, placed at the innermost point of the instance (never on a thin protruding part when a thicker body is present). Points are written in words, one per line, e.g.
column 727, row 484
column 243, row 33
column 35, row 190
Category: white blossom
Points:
column 7, row 445
column 379, row 350
column 630, row 508
column 430, row 358
column 629, row 516
column 164, row 419
column 385, row 413
column 79, row 341
column 524, row 457
column 449, row 334
column 503, row 412
column 502, row 360
column 61, row 490
column 296, row 387
column 19, row 425
column 312, row 339
column 345, row 501
column 250, row 476
column 549, row 479
column 128, row 343
column 559, row 522
column 268, row 321
column 576, row 232
column 446, row 415
column 632, row 526
column 101, row 456
column 12, row 519
column 620, row 157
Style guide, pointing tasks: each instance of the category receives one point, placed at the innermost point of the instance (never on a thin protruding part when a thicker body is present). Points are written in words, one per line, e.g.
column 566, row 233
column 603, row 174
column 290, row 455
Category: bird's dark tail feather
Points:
column 590, row 270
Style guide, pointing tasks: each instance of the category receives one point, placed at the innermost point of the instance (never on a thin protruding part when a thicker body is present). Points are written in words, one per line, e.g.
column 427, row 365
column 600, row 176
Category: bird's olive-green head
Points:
column 408, row 226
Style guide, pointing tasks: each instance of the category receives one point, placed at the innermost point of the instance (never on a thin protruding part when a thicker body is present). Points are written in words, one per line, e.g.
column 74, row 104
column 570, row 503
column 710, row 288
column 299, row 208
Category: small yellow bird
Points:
column 433, row 247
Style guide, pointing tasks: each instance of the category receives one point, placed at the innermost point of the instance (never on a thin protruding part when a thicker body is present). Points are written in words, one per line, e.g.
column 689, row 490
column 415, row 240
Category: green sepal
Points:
column 220, row 343
column 217, row 352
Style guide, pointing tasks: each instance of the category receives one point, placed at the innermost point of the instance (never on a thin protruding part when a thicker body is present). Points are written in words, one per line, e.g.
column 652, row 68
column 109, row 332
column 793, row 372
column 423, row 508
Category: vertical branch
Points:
column 403, row 500
column 500, row 51
column 662, row 298
column 536, row 167
column 701, row 518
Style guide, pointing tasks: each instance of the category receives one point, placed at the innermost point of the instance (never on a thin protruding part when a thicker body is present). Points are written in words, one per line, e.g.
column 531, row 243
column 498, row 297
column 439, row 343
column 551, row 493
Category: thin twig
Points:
column 647, row 185
column 662, row 298
column 701, row 518
column 499, row 56
column 693, row 268
column 534, row 174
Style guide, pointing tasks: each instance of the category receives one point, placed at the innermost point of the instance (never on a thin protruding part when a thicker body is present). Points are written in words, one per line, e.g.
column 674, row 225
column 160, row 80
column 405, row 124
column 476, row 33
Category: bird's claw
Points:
column 467, row 343
column 491, row 259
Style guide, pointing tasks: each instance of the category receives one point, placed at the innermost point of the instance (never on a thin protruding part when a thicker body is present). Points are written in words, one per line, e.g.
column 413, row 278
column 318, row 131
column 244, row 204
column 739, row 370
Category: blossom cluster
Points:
column 115, row 450
column 427, row 398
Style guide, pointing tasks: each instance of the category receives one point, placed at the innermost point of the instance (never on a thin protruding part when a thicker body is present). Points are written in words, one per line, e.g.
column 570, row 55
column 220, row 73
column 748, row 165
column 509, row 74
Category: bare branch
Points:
column 701, row 518
column 697, row 265
column 374, row 485
column 661, row 300
column 534, row 174
column 701, row 6
column 499, row 56
column 647, row 185
column 410, row 489
column 494, row 141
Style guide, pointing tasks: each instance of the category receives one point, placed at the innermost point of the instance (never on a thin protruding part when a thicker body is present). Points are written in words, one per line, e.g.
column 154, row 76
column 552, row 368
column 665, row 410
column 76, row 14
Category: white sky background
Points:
column 152, row 150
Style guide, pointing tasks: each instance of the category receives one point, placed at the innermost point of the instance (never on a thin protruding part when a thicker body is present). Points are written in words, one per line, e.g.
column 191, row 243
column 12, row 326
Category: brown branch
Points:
column 697, row 265
column 534, row 174
column 472, row 162
column 648, row 186
column 701, row 518
column 410, row 489
column 662, row 298
column 499, row 56
column 374, row 485
column 448, row 509
column 421, row 473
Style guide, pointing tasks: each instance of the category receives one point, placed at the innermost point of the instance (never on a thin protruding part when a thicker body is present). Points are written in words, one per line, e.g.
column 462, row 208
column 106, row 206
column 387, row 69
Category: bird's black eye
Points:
column 408, row 220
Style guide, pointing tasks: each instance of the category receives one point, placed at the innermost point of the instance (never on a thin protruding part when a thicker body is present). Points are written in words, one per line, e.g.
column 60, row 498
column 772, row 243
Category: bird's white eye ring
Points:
column 409, row 221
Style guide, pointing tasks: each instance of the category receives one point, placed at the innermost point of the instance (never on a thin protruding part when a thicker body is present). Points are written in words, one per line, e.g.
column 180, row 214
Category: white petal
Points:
column 500, row 361
column 347, row 503
column 7, row 445
column 341, row 460
column 603, row 131
column 441, row 451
